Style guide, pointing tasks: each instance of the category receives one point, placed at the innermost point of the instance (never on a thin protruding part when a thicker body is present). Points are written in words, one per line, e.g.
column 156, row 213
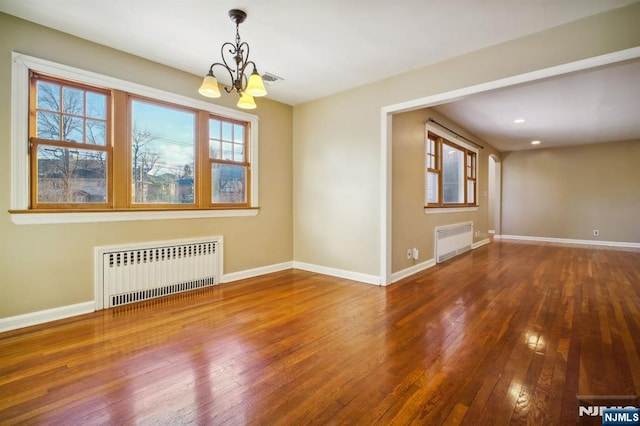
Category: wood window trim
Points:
column 19, row 210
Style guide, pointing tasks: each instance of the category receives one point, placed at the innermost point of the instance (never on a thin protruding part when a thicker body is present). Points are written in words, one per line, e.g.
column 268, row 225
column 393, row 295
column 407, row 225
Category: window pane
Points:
column 227, row 130
column 228, row 183
column 238, row 152
column 227, row 151
column 214, row 129
column 162, row 154
column 430, row 144
column 432, row 188
column 471, row 193
column 215, row 150
column 96, row 132
column 71, row 175
column 48, row 96
column 73, row 101
column 96, row 105
column 453, row 167
column 48, row 126
column 238, row 133
column 72, row 129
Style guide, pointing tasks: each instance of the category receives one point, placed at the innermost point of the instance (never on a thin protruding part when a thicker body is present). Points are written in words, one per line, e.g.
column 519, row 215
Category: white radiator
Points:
column 452, row 240
column 134, row 272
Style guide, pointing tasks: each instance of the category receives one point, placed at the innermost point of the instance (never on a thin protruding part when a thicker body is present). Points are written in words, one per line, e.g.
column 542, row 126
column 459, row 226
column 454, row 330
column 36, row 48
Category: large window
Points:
column 450, row 173
column 100, row 148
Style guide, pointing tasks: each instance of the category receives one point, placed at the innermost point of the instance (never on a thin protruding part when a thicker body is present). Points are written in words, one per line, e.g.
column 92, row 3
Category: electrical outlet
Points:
column 415, row 253
column 596, row 233
column 409, row 254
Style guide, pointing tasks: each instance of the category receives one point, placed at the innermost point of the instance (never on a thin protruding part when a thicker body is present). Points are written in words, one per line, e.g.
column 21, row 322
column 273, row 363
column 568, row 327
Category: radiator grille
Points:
column 136, row 296
column 453, row 240
column 132, row 274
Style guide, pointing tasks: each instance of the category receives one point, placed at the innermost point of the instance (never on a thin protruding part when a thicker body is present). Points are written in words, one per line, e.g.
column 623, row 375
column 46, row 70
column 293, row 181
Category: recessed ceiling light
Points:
column 535, row 142
column 519, row 120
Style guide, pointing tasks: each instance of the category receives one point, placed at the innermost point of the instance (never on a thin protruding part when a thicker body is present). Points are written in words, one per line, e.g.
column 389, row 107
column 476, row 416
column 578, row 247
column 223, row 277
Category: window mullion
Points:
column 202, row 164
column 439, row 162
column 121, row 180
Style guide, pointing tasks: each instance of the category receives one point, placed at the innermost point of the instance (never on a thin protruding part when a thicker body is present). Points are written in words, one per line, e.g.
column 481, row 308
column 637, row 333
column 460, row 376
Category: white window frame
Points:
column 451, row 138
column 22, row 64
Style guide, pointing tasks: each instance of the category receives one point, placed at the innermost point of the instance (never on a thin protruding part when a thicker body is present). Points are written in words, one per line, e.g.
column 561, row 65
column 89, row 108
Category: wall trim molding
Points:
column 255, row 272
column 569, row 241
column 62, row 312
column 35, row 218
column 47, row 315
column 404, row 273
column 339, row 273
column 480, row 243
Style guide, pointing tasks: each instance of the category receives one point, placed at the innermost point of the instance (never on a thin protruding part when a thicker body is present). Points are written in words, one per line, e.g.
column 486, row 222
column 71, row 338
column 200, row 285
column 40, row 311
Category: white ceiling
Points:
column 323, row 47
column 597, row 105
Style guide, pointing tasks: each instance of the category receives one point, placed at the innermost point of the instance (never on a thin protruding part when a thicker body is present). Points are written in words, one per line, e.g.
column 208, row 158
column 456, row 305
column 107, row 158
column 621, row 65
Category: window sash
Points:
column 65, row 174
column 148, row 159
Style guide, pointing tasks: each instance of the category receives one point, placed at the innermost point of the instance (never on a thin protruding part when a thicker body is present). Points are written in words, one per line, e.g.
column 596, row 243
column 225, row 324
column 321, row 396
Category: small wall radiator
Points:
column 135, row 272
column 452, row 240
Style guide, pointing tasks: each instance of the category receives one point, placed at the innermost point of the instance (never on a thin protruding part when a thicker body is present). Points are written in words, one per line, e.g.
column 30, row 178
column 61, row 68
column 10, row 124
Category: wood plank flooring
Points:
column 509, row 333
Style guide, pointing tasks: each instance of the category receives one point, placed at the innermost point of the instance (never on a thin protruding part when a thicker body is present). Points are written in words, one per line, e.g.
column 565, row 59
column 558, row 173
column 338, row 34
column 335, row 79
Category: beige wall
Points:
column 49, row 266
column 411, row 226
column 337, row 160
column 569, row 192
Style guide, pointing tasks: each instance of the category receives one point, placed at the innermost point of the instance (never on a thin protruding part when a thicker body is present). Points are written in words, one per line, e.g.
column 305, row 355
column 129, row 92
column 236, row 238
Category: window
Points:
column 84, row 142
column 163, row 148
column 69, row 152
column 228, row 161
column 450, row 173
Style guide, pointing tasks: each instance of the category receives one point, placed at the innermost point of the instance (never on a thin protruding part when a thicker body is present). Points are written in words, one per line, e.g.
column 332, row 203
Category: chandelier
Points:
column 235, row 60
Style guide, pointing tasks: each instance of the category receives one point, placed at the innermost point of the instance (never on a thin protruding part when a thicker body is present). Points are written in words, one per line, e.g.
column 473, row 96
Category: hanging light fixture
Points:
column 235, row 60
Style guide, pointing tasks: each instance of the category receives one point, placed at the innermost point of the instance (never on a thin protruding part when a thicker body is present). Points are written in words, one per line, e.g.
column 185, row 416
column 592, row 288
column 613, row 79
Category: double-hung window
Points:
column 450, row 173
column 70, row 147
column 228, row 161
column 98, row 144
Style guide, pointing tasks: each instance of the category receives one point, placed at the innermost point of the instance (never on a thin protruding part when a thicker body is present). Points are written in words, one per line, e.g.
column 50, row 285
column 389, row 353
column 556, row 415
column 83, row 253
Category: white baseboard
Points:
column 397, row 276
column 570, row 241
column 34, row 318
column 340, row 273
column 48, row 315
column 480, row 243
column 250, row 273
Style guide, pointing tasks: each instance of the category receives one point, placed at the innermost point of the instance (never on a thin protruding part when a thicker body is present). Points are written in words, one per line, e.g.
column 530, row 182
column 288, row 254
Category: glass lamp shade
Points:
column 255, row 86
column 246, row 101
column 209, row 86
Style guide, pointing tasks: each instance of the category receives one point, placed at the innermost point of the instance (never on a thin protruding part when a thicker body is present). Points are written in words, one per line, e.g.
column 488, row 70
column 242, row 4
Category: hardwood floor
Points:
column 508, row 333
